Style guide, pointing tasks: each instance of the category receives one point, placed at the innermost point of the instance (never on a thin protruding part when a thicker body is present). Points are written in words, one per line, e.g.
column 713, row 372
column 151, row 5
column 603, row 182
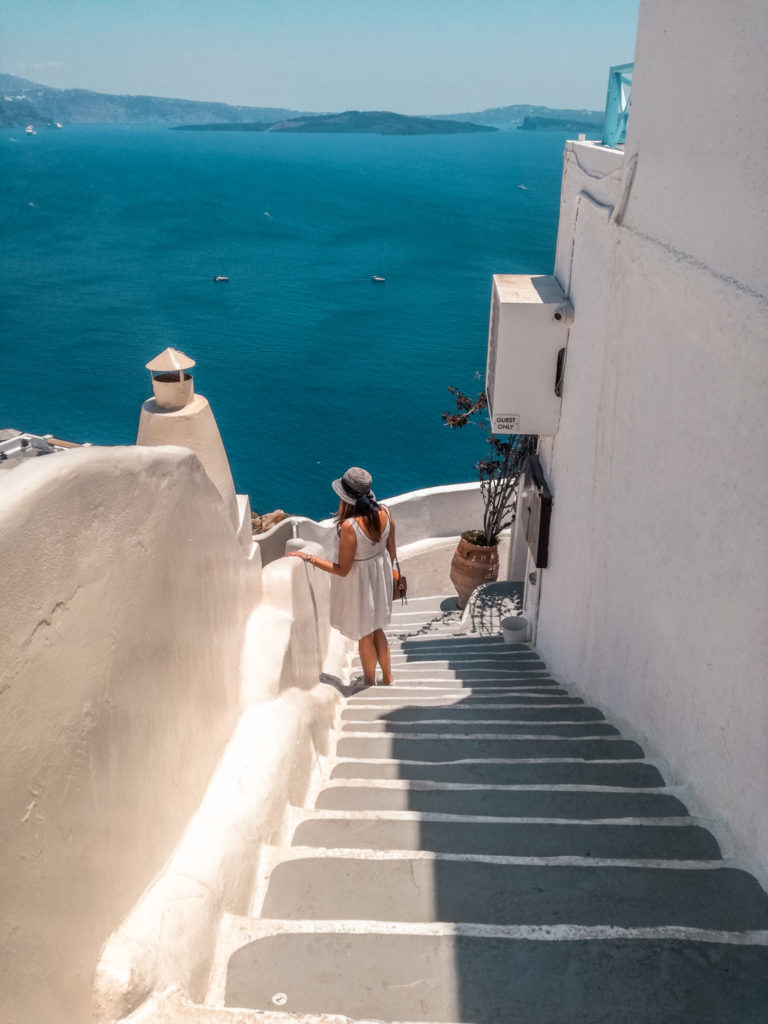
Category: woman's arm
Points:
column 391, row 543
column 347, row 546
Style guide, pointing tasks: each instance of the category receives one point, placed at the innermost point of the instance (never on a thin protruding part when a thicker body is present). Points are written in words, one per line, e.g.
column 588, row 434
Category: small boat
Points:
column 30, row 129
column 220, row 277
column 523, row 187
column 378, row 279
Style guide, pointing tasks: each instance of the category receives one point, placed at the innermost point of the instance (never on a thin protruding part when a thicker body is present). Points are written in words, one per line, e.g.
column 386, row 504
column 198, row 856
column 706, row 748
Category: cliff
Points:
column 22, row 102
column 514, row 116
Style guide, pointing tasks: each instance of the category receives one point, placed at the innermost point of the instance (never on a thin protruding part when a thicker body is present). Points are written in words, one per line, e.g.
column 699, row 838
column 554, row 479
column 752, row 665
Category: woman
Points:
column 361, row 588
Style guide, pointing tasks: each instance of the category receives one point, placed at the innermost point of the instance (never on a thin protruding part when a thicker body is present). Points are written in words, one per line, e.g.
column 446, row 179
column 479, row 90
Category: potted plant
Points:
column 476, row 559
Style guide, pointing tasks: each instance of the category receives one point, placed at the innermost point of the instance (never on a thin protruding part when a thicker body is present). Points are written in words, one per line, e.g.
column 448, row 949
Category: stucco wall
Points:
column 656, row 596
column 125, row 595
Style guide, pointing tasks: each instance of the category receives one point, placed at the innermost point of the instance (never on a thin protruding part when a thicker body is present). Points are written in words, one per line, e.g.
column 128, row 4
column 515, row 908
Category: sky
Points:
column 411, row 56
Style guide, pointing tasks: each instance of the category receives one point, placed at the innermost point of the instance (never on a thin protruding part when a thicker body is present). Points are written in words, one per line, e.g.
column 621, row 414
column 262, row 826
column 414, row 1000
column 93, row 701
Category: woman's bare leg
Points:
column 367, row 649
column 381, row 646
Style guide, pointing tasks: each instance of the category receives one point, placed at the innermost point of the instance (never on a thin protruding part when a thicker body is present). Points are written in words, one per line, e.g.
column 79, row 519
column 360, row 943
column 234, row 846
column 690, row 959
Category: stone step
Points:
column 467, row 680
column 469, row 659
column 460, row 649
column 627, row 774
column 461, row 645
column 416, row 666
column 459, row 713
column 450, row 889
column 459, row 654
column 383, row 697
column 504, row 976
column 476, row 747
column 423, row 611
column 413, row 668
column 509, row 838
column 524, row 681
column 502, row 803
column 173, row 1007
column 414, row 630
column 499, row 656
column 406, row 695
column 497, row 727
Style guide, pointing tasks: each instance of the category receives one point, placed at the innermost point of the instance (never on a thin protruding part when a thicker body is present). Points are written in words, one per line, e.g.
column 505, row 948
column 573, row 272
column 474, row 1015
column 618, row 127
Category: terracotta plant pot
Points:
column 472, row 565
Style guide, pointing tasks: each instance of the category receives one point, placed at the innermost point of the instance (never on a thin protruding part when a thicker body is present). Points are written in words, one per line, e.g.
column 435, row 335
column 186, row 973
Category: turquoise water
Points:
column 112, row 236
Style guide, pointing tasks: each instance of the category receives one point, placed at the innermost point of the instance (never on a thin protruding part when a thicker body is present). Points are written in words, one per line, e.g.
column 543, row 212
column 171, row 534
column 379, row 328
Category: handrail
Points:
column 617, row 104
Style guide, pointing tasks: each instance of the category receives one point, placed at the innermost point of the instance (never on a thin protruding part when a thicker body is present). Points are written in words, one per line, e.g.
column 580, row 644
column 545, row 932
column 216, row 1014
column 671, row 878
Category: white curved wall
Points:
column 125, row 596
column 437, row 512
column 655, row 600
column 426, row 514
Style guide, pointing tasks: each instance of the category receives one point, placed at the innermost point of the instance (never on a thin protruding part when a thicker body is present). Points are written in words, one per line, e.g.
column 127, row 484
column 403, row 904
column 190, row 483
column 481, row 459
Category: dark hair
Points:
column 367, row 508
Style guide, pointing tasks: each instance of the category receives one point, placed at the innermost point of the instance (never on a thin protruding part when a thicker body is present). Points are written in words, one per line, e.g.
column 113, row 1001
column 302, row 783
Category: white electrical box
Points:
column 528, row 333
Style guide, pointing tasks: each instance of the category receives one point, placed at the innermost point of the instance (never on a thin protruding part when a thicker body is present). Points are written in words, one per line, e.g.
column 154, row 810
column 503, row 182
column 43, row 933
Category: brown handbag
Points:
column 399, row 584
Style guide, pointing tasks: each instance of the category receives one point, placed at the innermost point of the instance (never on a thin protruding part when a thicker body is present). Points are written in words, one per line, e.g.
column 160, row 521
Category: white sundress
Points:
column 361, row 601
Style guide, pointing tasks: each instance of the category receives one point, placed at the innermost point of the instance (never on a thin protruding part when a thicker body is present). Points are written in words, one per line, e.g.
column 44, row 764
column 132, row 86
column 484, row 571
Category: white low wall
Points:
column 430, row 513
column 437, row 512
column 124, row 602
column 169, row 939
column 161, row 711
column 428, row 524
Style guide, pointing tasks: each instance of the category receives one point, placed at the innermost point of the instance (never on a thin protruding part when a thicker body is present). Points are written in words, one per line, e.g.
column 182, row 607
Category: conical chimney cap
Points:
column 170, row 359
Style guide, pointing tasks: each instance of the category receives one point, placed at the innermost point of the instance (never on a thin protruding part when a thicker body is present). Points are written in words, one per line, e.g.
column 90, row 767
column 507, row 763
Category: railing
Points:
column 617, row 104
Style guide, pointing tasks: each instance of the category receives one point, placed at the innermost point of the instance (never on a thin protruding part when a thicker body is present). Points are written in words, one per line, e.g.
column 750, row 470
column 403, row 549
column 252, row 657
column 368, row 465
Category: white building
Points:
column 655, row 601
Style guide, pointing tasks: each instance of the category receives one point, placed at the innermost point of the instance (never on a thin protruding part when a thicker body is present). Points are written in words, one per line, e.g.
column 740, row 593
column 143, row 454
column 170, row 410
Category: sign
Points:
column 506, row 423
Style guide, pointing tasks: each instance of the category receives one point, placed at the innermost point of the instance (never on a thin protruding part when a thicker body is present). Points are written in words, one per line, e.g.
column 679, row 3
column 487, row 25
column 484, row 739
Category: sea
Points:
column 112, row 236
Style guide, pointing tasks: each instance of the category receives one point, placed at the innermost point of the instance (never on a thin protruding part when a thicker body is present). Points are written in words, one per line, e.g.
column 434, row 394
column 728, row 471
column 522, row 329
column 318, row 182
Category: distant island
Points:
column 361, row 122
column 516, row 116
column 23, row 102
column 561, row 124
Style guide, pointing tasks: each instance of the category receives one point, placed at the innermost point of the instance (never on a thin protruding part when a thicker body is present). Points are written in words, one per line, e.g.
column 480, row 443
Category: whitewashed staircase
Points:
column 487, row 848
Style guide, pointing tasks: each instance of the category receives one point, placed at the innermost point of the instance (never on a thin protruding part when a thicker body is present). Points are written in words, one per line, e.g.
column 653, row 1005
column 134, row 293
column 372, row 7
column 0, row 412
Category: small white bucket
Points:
column 515, row 629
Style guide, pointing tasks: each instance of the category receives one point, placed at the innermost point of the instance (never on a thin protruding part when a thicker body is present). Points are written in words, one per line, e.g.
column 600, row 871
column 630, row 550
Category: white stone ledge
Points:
column 168, row 939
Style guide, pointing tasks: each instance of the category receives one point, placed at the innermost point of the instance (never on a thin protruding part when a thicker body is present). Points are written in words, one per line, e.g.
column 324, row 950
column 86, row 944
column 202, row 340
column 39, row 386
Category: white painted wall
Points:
column 655, row 601
column 124, row 602
column 437, row 512
column 429, row 513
